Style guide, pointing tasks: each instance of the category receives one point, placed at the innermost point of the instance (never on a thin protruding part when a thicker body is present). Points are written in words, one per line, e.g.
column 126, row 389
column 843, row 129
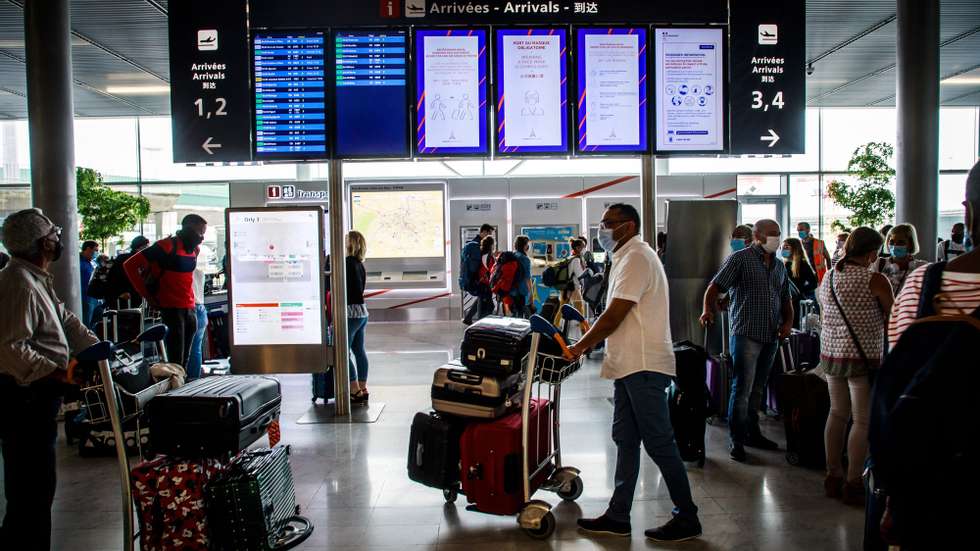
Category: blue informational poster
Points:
column 371, row 98
column 451, row 92
column 549, row 233
column 690, row 84
column 290, row 96
column 612, row 105
column 532, row 90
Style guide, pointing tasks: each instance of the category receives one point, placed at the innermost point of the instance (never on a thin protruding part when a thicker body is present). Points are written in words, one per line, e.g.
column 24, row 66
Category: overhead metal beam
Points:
column 158, row 6
column 941, row 79
column 961, row 96
column 889, row 67
column 838, row 47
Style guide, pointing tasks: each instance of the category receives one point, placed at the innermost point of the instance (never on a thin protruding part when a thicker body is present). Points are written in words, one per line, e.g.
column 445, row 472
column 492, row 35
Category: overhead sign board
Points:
column 209, row 93
column 768, row 92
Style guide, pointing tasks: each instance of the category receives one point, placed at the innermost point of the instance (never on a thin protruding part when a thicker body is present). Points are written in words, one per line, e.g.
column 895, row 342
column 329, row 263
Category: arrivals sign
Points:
column 768, row 93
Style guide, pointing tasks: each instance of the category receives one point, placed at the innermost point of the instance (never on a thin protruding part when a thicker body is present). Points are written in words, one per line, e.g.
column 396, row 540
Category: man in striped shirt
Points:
column 961, row 279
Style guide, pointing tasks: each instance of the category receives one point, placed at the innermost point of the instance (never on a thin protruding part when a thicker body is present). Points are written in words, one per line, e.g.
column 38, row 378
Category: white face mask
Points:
column 773, row 243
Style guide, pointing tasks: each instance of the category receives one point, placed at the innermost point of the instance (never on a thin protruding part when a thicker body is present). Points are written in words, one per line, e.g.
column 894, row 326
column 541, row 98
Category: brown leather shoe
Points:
column 853, row 493
column 833, row 486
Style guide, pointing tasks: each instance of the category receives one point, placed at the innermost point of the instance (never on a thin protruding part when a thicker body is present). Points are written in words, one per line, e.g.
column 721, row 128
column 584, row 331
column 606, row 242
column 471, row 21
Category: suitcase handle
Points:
column 465, row 378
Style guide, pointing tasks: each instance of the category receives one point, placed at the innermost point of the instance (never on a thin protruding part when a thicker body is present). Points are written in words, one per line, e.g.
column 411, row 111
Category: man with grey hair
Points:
column 761, row 314
column 38, row 335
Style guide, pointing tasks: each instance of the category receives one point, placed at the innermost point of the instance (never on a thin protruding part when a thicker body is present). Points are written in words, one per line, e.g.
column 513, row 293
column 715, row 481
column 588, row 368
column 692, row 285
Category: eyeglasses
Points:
column 55, row 231
column 611, row 224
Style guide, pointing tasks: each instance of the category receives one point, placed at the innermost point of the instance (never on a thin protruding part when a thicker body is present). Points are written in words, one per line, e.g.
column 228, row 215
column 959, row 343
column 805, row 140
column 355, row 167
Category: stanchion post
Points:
column 338, row 289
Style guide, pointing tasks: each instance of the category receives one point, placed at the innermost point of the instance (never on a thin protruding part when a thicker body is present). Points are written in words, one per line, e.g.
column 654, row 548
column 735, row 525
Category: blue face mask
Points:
column 606, row 240
column 804, row 234
column 787, row 254
column 737, row 245
column 899, row 252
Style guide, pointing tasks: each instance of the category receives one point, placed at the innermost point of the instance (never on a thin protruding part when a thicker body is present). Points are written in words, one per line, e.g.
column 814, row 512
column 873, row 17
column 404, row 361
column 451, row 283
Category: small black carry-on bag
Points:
column 496, row 346
column 433, row 451
column 689, row 401
column 252, row 504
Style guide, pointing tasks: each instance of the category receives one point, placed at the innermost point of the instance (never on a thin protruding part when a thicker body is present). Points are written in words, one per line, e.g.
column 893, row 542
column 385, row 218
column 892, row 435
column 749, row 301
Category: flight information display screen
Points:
column 451, row 92
column 371, row 94
column 532, row 91
column 690, row 89
column 612, row 90
column 290, row 96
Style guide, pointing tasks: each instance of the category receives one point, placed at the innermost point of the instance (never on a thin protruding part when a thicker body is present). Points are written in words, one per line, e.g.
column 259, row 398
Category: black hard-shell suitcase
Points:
column 804, row 401
column 323, row 387
column 214, row 416
column 496, row 346
column 252, row 504
column 457, row 391
column 689, row 401
column 433, row 450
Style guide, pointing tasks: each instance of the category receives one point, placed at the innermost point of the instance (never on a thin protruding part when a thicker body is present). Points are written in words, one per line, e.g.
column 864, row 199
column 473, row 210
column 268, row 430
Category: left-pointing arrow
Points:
column 772, row 138
column 208, row 146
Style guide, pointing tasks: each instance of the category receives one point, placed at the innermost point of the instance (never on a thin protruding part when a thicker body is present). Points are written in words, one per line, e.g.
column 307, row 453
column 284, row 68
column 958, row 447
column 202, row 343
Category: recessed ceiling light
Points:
column 146, row 90
column 963, row 81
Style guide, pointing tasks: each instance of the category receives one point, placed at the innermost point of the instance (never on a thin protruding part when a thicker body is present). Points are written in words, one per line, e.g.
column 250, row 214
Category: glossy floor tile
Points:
column 351, row 479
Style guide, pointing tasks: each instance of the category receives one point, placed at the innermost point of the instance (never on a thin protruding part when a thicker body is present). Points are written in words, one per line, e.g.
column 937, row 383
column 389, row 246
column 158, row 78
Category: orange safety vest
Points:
column 819, row 259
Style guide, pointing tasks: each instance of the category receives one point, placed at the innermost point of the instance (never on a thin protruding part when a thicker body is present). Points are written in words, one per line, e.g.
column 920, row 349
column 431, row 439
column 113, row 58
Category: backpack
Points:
column 504, row 274
column 486, row 270
column 923, row 433
column 468, row 258
column 99, row 285
column 559, row 275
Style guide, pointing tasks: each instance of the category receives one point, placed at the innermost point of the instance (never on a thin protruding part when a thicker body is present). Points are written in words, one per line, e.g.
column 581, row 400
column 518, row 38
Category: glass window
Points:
column 108, row 146
column 804, row 204
column 15, row 159
column 832, row 212
column 844, row 130
column 957, row 138
column 752, row 212
column 952, row 192
column 754, row 184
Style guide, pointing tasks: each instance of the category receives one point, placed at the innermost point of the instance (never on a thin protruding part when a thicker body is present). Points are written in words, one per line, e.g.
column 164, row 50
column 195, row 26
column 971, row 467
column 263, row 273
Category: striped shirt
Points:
column 962, row 288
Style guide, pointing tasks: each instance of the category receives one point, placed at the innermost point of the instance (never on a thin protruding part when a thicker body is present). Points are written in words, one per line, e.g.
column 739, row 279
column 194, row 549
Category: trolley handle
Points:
column 545, row 327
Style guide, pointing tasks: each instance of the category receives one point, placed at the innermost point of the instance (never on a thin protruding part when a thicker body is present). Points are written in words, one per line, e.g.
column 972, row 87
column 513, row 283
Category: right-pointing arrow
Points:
column 772, row 138
column 208, row 146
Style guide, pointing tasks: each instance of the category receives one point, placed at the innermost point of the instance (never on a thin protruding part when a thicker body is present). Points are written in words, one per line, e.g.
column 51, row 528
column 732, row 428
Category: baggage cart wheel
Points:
column 573, row 491
column 294, row 531
column 793, row 458
column 547, row 528
column 450, row 494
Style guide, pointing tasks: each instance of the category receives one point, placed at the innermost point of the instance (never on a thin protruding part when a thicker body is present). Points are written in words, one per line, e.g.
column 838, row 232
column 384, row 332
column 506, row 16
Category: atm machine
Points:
column 550, row 223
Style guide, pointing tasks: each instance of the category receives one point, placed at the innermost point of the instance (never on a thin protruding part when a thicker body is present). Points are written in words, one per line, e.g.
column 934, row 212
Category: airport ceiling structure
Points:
column 121, row 68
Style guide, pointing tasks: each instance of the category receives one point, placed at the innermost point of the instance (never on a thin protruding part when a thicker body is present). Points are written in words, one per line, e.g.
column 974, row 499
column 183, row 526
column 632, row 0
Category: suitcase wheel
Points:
column 793, row 458
column 294, row 531
column 545, row 530
column 573, row 491
column 450, row 494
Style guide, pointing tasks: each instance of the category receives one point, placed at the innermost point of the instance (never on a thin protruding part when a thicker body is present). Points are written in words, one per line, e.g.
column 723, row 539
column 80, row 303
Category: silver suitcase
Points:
column 456, row 391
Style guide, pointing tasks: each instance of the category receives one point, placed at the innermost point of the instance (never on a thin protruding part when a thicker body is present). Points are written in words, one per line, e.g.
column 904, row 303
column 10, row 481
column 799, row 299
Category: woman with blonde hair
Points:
column 902, row 244
column 801, row 273
column 357, row 316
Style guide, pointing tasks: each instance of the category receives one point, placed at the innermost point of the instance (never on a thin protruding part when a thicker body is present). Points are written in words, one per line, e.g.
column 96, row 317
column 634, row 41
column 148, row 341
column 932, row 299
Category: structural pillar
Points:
column 648, row 199
column 47, row 30
column 338, row 288
column 917, row 101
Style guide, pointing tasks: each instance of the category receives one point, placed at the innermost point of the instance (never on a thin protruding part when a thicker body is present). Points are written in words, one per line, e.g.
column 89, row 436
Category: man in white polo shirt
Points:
column 640, row 359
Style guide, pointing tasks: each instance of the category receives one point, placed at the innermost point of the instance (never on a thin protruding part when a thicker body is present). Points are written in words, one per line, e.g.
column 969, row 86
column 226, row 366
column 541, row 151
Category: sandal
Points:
column 360, row 397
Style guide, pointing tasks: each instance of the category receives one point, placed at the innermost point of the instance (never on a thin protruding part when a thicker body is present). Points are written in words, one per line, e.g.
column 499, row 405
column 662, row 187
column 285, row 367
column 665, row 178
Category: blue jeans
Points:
column 641, row 416
column 197, row 344
column 355, row 342
column 752, row 363
column 89, row 306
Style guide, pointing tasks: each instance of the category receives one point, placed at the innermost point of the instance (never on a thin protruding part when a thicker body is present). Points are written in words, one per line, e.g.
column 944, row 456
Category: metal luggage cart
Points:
column 545, row 374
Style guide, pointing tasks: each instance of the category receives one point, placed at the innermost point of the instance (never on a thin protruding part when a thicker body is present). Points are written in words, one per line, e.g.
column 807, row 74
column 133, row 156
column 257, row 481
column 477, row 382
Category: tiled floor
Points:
column 351, row 480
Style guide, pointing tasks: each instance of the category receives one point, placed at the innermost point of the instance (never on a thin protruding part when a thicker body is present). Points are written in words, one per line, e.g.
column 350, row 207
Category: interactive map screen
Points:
column 400, row 222
column 275, row 266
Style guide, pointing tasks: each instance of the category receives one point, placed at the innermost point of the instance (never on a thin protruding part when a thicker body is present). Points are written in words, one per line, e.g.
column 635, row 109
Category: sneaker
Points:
column 833, row 486
column 737, row 453
column 676, row 529
column 605, row 525
column 761, row 442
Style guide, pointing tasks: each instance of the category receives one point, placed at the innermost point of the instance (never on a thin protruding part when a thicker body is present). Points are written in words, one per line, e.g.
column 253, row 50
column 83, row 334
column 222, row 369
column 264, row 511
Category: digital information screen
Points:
column 371, row 94
column 290, row 96
column 612, row 90
column 532, row 91
column 400, row 223
column 451, row 92
column 690, row 88
column 275, row 277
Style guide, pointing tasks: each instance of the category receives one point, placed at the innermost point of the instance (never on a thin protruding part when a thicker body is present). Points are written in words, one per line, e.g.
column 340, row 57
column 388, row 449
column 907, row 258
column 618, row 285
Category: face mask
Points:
column 58, row 249
column 191, row 239
column 899, row 251
column 773, row 242
column 737, row 245
column 606, row 240
column 787, row 254
column 804, row 234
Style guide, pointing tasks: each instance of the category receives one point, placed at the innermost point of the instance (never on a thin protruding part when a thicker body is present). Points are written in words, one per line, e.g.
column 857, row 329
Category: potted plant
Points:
column 869, row 199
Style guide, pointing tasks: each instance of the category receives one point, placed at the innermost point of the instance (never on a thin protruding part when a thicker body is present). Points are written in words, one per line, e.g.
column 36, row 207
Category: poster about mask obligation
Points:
column 452, row 100
column 532, row 104
column 690, row 89
column 612, row 82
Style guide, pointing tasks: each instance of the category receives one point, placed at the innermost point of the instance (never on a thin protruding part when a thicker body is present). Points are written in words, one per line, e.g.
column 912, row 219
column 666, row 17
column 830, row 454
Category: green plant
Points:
column 869, row 200
column 105, row 212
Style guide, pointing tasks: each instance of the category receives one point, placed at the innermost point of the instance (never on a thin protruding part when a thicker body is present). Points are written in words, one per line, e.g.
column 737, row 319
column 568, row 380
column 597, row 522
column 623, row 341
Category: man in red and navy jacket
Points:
column 169, row 264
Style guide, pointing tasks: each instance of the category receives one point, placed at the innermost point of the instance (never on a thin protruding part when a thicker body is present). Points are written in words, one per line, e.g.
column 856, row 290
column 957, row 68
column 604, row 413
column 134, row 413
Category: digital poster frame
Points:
column 723, row 119
column 465, row 106
column 396, row 107
column 501, row 102
column 643, row 116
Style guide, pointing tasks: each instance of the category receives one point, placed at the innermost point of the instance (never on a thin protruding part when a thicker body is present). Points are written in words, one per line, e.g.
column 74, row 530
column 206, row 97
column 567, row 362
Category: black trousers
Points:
column 181, row 325
column 28, row 430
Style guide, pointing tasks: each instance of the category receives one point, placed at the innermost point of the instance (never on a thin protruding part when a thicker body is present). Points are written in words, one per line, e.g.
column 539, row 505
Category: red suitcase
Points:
column 490, row 457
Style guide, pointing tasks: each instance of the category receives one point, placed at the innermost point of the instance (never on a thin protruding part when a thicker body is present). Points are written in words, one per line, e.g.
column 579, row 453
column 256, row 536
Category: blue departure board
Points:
column 371, row 97
column 290, row 96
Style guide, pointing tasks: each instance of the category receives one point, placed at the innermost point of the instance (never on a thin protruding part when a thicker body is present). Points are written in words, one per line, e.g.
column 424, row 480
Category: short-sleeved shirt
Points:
column 757, row 293
column 642, row 342
column 962, row 289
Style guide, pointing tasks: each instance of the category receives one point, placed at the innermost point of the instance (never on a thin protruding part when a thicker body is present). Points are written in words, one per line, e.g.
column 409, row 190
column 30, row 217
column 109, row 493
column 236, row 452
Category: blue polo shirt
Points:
column 86, row 267
column 757, row 293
